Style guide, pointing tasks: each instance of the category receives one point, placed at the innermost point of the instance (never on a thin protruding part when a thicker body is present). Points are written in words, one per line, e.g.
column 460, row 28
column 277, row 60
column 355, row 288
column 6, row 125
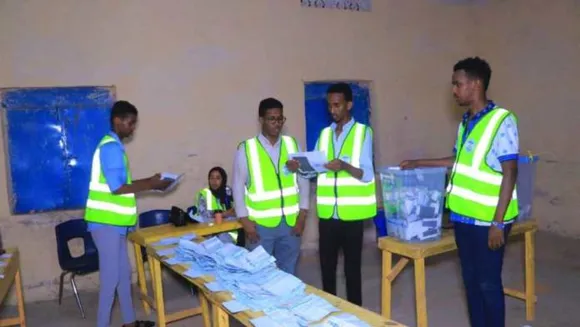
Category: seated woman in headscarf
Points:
column 216, row 203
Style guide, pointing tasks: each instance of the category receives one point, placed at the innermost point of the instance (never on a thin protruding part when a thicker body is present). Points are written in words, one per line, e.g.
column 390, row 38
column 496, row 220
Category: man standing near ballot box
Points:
column 270, row 200
column 481, row 193
column 111, row 211
column 346, row 194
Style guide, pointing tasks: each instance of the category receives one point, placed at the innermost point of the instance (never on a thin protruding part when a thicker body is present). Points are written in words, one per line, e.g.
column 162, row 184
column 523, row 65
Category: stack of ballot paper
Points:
column 254, row 281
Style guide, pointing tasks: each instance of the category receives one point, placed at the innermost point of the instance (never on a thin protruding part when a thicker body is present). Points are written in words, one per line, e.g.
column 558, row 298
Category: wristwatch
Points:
column 497, row 224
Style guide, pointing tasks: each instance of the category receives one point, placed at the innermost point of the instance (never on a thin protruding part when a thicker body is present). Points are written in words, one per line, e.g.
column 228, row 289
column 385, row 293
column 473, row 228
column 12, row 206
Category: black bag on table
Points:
column 178, row 217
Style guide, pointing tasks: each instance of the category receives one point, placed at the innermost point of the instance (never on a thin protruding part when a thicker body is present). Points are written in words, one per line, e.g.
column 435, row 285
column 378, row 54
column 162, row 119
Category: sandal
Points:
column 141, row 323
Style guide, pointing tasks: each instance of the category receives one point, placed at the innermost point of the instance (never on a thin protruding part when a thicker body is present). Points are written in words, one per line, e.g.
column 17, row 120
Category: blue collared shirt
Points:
column 112, row 158
column 366, row 156
column 505, row 147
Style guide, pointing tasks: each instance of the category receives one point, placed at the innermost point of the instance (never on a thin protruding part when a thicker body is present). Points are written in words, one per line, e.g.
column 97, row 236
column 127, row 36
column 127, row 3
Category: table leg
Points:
column 151, row 273
column 386, row 284
column 220, row 317
column 530, row 275
column 420, row 295
column 158, row 291
column 20, row 298
column 205, row 313
column 141, row 277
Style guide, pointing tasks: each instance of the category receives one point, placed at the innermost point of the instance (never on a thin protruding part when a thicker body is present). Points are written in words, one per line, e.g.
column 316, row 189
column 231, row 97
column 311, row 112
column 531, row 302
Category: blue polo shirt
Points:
column 112, row 158
column 505, row 147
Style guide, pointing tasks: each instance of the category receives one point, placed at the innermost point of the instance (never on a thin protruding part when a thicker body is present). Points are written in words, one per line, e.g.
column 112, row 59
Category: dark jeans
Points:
column 481, row 269
column 336, row 235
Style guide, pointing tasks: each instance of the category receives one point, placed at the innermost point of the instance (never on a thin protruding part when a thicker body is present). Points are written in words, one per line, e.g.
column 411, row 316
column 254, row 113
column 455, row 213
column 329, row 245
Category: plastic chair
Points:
column 83, row 265
column 152, row 218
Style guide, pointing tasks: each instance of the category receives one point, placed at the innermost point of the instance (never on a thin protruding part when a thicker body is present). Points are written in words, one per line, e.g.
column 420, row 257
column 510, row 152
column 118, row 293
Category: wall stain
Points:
column 556, row 201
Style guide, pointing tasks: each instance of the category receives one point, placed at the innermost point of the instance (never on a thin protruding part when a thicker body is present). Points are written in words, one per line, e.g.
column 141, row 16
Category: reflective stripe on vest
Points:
column 271, row 195
column 474, row 188
column 102, row 205
column 354, row 200
column 211, row 202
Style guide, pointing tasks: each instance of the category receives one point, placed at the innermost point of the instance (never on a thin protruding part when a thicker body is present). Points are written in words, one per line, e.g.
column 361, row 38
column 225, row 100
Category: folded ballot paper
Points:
column 254, row 281
column 176, row 179
column 342, row 320
column 310, row 162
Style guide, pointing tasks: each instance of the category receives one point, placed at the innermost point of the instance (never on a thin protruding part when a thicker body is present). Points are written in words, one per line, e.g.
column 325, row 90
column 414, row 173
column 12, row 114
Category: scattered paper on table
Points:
column 313, row 308
column 215, row 286
column 193, row 273
column 175, row 261
column 343, row 319
column 254, row 281
column 265, row 321
column 234, row 306
column 166, row 252
column 166, row 241
column 188, row 237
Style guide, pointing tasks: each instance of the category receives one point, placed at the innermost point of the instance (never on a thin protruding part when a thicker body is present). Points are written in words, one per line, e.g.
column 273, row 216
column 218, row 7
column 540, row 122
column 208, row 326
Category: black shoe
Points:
column 141, row 323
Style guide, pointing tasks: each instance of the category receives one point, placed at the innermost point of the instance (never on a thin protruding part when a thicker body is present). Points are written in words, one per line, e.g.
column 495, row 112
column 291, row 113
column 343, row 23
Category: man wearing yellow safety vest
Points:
column 111, row 211
column 345, row 195
column 270, row 200
column 481, row 193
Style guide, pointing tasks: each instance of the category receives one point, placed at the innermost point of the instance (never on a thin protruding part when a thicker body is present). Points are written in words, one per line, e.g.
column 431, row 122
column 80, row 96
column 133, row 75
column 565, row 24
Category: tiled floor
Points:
column 558, row 287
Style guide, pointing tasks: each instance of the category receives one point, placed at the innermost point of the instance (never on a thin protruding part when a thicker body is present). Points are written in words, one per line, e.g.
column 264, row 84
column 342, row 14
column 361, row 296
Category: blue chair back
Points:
column 87, row 262
column 153, row 218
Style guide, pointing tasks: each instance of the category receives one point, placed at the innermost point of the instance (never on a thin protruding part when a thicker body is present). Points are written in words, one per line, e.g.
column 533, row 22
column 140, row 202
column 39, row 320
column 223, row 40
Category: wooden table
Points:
column 142, row 237
column 11, row 272
column 419, row 251
column 221, row 317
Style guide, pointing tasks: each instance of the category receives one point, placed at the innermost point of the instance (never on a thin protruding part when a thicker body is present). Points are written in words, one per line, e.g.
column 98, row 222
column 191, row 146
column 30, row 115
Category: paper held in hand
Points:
column 310, row 162
column 176, row 179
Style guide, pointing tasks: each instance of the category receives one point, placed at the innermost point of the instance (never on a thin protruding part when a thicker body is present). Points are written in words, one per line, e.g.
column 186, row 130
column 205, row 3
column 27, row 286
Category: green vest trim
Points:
column 211, row 202
column 353, row 199
column 271, row 195
column 102, row 205
column 474, row 188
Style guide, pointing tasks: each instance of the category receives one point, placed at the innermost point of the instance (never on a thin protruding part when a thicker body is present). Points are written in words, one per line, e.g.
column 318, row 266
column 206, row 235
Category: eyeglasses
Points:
column 272, row 120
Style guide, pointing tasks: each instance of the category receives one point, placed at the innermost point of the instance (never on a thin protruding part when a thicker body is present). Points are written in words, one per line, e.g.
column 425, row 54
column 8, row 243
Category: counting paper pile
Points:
column 3, row 262
column 254, row 281
column 413, row 202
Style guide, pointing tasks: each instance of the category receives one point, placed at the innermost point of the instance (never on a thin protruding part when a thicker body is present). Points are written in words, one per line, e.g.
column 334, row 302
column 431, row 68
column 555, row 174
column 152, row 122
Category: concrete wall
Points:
column 199, row 68
column 534, row 48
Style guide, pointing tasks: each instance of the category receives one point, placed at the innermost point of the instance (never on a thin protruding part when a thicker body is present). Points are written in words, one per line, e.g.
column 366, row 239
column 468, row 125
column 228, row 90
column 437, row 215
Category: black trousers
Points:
column 336, row 235
column 241, row 242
